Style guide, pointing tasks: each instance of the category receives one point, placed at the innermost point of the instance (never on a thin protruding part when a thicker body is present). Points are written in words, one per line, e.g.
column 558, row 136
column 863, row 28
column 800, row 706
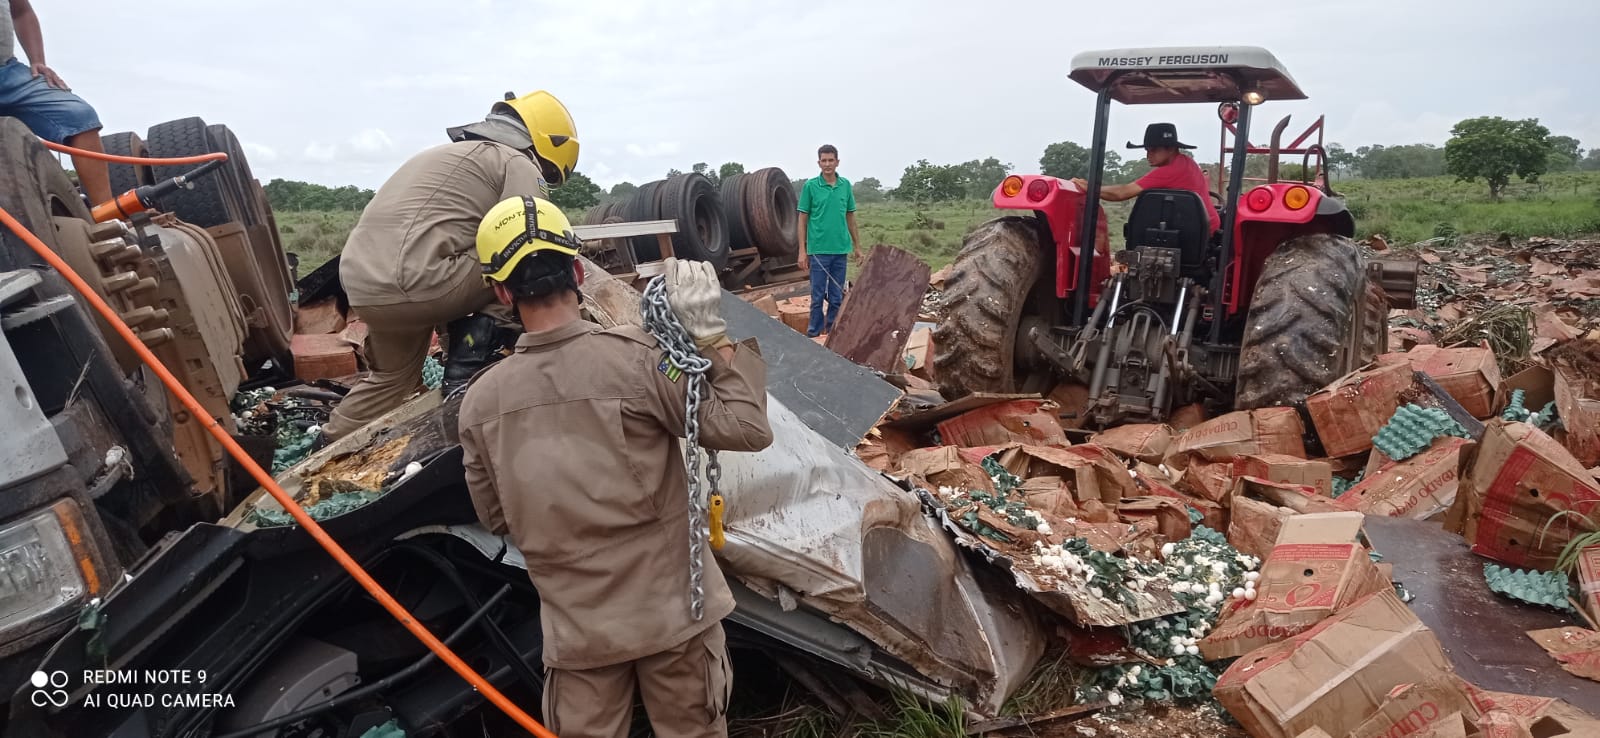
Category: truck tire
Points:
column 212, row 201
column 770, row 215
column 691, row 200
column 984, row 299
column 645, row 205
column 240, row 177
column 732, row 193
column 1300, row 318
column 125, row 177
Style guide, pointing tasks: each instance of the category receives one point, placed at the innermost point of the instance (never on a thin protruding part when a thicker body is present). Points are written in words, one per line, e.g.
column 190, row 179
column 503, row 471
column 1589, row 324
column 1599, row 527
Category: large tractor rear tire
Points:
column 984, row 300
column 1311, row 292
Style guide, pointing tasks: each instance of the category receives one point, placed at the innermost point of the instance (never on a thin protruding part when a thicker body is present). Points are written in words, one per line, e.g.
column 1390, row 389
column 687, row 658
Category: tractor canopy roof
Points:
column 1185, row 74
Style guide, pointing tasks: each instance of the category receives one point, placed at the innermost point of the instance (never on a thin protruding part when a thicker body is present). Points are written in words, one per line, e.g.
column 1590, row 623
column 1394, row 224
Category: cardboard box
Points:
column 1049, row 496
column 1253, row 525
column 1328, row 527
column 319, row 317
column 1287, row 469
column 942, row 466
column 1111, row 472
column 919, row 353
column 1187, row 417
column 1143, row 442
column 1468, row 374
column 1152, row 481
column 1520, row 480
column 1349, row 412
column 1576, row 649
column 1538, row 385
column 1419, row 487
column 767, row 304
column 1301, row 585
column 1419, row 707
column 796, row 313
column 1271, row 430
column 1454, row 725
column 1211, row 480
column 1541, row 717
column 1580, row 415
column 1171, row 516
column 1029, row 422
column 1072, row 400
column 1334, row 676
column 1589, row 579
column 1297, row 497
column 324, row 356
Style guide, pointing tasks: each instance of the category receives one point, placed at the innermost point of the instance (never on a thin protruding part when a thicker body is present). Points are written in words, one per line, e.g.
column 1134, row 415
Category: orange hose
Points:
column 261, row 476
column 119, row 159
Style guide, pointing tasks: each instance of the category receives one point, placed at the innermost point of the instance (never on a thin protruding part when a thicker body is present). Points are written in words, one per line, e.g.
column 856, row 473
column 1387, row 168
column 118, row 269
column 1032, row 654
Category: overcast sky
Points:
column 342, row 91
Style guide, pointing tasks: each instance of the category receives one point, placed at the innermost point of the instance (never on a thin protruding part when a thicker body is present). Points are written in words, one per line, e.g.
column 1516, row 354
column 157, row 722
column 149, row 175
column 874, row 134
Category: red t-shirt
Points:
column 1182, row 174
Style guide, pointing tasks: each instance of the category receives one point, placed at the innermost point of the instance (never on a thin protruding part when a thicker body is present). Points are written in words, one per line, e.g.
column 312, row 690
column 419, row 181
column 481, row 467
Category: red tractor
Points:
column 1276, row 305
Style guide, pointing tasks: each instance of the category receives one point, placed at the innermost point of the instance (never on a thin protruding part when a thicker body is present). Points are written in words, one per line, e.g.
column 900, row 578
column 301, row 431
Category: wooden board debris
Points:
column 878, row 311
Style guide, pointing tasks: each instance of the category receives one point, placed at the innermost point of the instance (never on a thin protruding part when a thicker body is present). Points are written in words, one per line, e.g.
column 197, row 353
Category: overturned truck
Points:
column 99, row 463
column 831, row 563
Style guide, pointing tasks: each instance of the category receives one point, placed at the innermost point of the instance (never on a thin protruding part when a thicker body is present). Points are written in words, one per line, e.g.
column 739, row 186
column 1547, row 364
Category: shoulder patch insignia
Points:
column 669, row 369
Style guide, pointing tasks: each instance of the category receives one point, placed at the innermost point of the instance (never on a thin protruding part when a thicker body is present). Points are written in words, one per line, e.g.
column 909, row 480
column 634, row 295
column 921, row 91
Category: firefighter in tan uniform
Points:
column 571, row 446
column 408, row 267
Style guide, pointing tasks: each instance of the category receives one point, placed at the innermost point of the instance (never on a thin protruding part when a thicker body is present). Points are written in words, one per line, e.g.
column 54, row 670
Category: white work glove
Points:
column 696, row 298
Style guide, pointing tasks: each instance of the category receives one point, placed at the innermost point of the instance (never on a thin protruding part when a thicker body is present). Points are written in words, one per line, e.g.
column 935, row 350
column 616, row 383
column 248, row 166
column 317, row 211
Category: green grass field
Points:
column 1405, row 211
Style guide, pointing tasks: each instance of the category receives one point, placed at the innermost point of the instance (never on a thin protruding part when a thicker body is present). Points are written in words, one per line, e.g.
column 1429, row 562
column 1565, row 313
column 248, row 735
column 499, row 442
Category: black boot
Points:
column 473, row 346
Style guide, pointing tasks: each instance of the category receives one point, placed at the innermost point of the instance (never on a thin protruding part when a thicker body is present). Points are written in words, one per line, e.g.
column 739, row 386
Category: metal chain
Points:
column 661, row 322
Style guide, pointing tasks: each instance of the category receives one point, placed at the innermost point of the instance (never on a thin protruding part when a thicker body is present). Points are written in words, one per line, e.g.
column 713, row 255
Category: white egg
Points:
column 1238, row 592
column 1168, row 548
column 1251, row 576
column 1250, row 595
column 1193, row 650
column 1115, row 698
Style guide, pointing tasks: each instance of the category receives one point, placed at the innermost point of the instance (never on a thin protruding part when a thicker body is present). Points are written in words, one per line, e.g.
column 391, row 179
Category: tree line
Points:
column 1491, row 149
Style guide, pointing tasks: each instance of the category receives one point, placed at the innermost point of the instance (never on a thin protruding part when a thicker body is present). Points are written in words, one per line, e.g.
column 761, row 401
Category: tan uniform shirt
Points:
column 418, row 237
column 571, row 445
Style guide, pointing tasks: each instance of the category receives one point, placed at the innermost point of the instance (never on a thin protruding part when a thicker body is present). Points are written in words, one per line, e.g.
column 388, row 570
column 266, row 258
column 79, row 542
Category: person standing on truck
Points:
column 34, row 94
column 408, row 265
column 1170, row 170
column 827, row 237
column 571, row 447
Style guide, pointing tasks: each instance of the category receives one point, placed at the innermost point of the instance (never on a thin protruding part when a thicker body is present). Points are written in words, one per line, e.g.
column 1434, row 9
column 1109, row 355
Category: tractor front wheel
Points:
column 984, row 299
column 1312, row 294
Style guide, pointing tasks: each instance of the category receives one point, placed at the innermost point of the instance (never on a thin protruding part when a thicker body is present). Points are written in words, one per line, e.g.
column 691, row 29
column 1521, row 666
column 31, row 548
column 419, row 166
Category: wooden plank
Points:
column 609, row 301
column 623, row 230
column 875, row 320
column 837, row 398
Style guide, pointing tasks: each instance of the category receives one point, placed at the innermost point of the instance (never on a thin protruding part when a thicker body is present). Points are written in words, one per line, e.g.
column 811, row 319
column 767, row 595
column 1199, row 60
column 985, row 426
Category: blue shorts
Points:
column 52, row 114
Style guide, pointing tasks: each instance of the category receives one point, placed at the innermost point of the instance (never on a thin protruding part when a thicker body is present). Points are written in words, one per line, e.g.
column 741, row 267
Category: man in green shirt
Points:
column 828, row 238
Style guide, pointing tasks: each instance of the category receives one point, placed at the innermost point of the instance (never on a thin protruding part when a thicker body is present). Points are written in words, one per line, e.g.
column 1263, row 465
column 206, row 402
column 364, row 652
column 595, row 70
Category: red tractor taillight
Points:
column 1259, row 199
column 1038, row 190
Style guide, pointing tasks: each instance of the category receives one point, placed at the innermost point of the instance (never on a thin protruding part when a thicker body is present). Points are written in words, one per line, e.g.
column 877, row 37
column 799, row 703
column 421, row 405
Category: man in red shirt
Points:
column 1170, row 170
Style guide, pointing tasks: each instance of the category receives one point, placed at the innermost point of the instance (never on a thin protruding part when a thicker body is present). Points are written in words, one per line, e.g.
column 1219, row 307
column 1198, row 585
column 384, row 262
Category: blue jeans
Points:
column 52, row 114
column 827, row 284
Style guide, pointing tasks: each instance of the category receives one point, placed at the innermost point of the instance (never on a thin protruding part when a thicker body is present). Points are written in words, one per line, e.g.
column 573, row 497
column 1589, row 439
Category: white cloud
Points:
column 371, row 141
column 259, row 152
column 655, row 150
column 320, row 152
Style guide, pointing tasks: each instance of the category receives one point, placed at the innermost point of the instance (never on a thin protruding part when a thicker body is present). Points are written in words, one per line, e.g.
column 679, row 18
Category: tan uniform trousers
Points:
column 685, row 690
column 398, row 337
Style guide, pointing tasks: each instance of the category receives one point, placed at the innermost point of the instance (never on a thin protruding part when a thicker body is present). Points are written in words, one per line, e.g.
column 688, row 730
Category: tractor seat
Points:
column 1173, row 219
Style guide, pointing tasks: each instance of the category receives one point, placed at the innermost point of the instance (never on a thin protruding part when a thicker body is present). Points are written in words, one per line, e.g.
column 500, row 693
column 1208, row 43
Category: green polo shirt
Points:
column 827, row 232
